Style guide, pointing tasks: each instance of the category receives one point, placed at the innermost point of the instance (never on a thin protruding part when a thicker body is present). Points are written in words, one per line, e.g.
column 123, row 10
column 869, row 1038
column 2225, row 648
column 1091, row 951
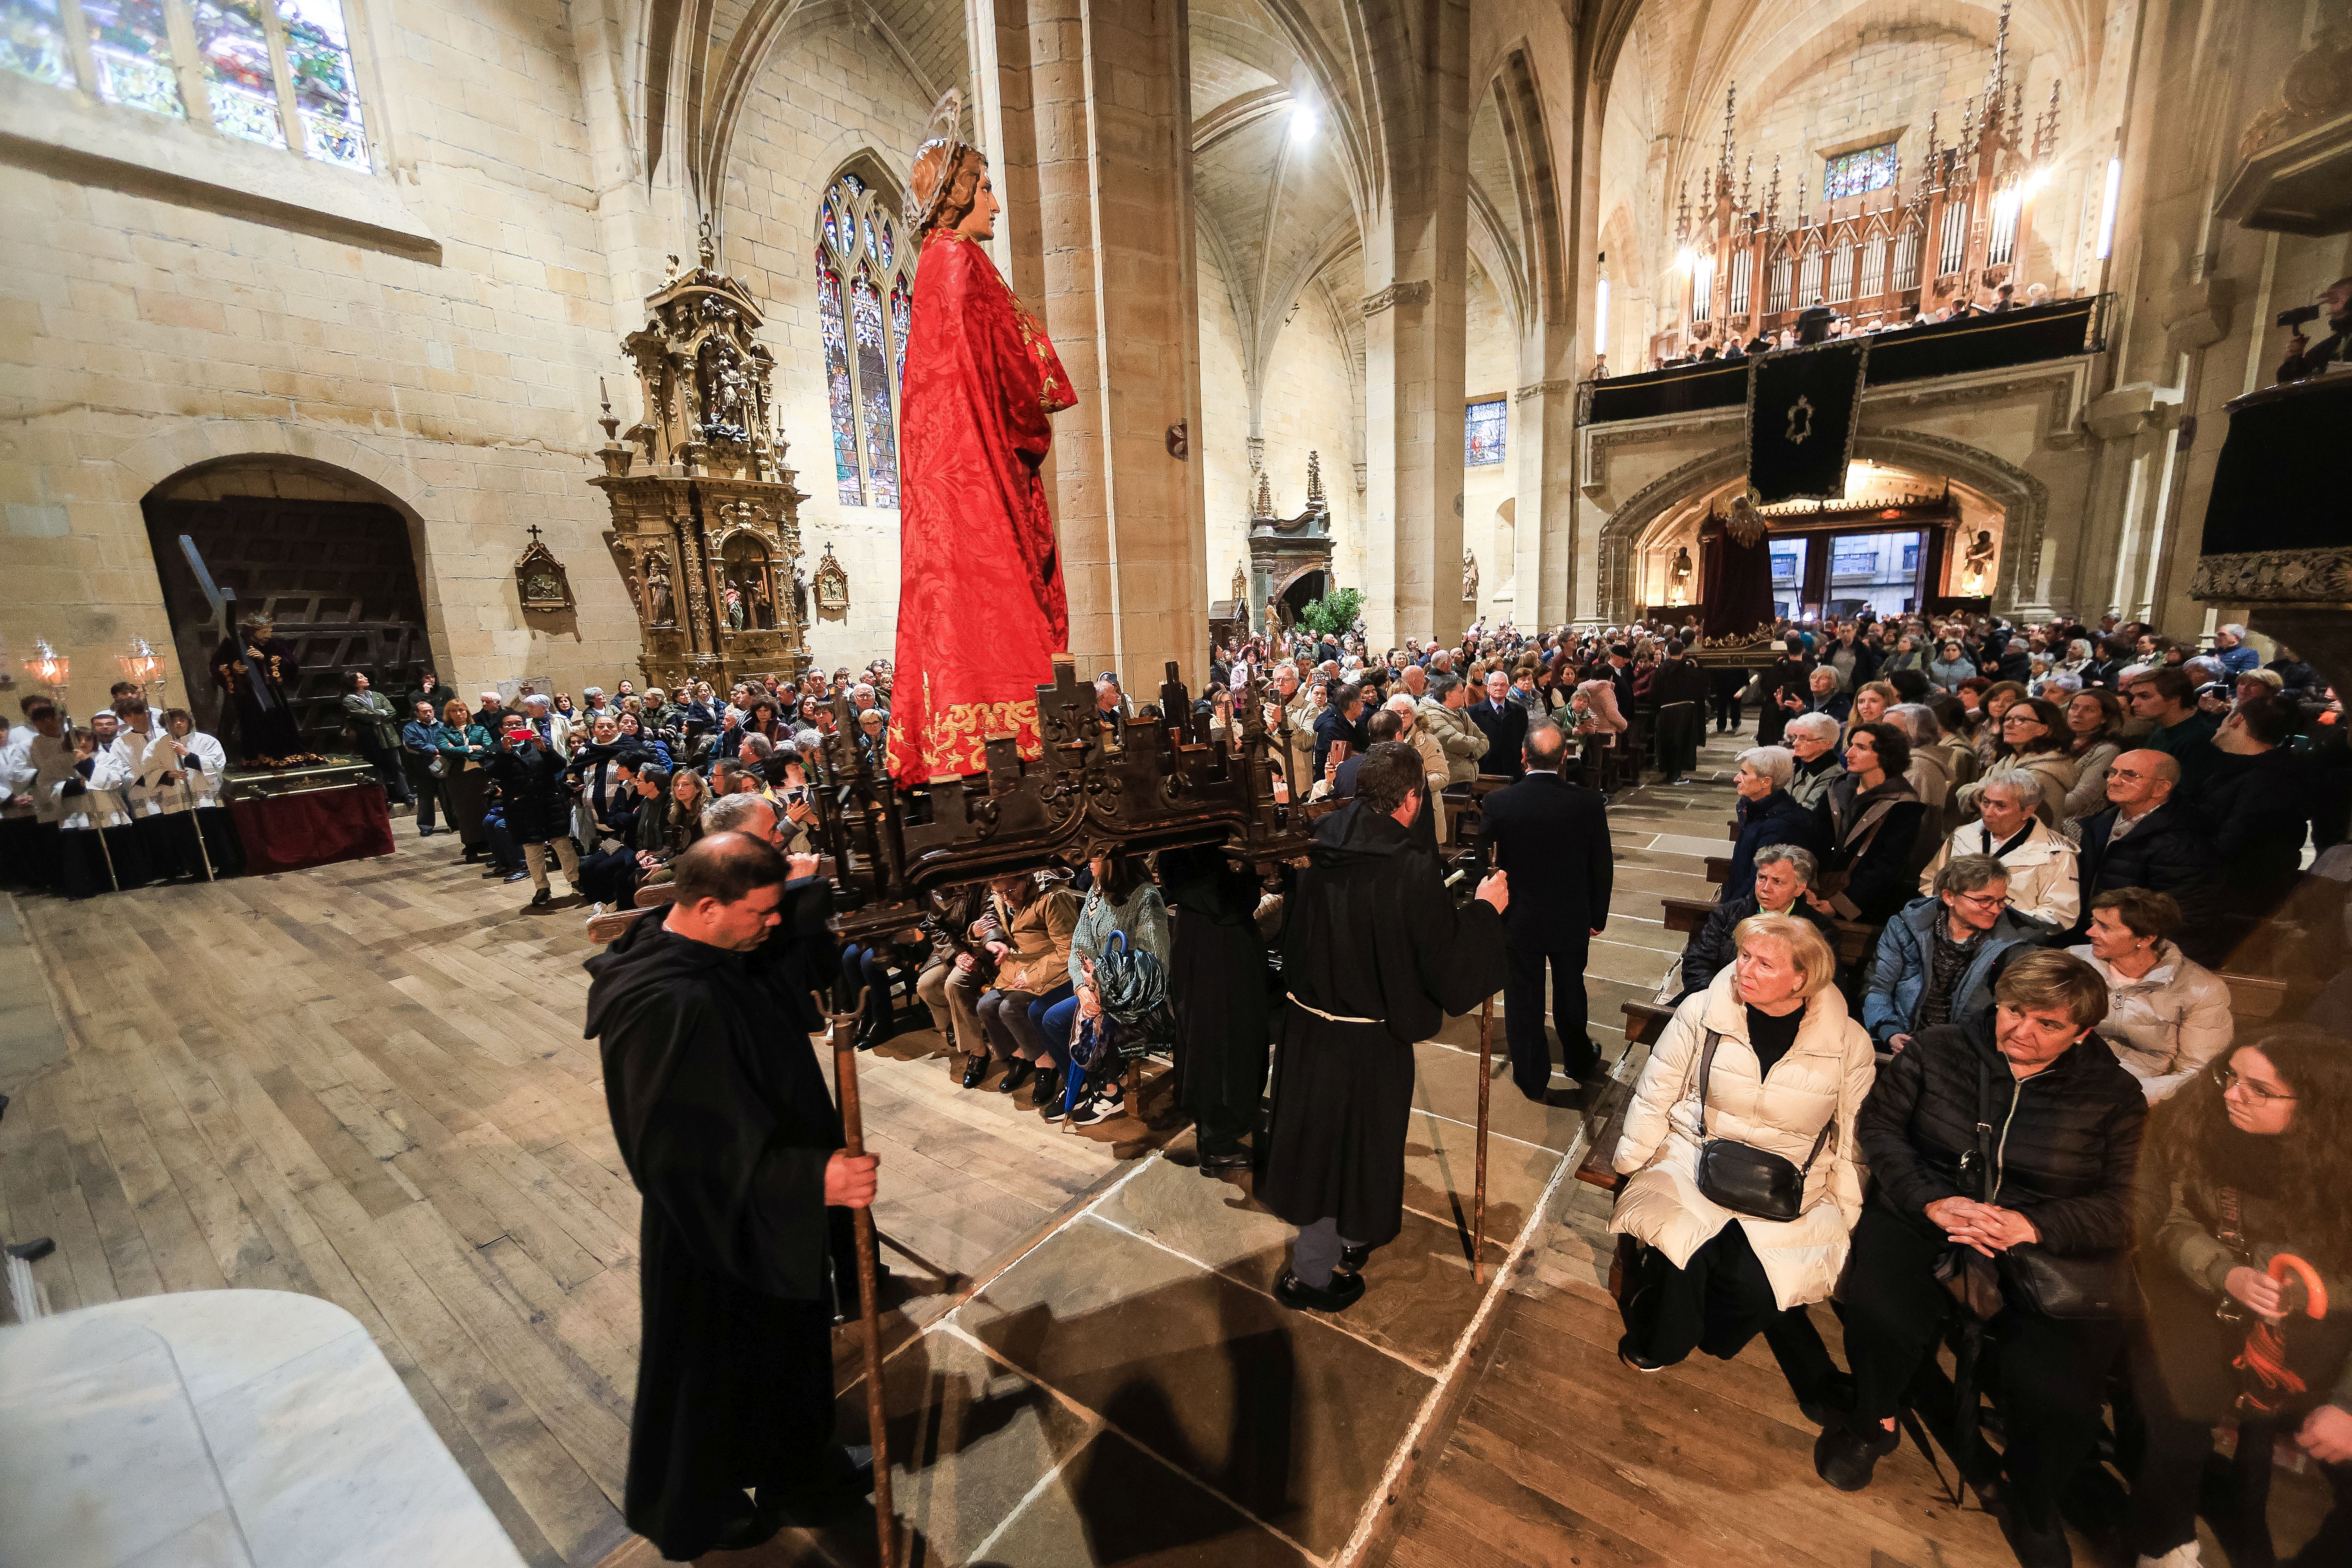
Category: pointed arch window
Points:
column 865, row 295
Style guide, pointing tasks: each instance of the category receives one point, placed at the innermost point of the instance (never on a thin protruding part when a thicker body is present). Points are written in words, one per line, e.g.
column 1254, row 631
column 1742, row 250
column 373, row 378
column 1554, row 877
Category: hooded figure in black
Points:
column 728, row 1130
column 1217, row 983
column 1374, row 955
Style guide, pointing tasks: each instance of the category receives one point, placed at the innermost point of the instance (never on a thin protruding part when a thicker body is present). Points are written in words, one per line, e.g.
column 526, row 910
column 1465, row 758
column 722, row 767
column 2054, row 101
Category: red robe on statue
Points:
column 981, row 607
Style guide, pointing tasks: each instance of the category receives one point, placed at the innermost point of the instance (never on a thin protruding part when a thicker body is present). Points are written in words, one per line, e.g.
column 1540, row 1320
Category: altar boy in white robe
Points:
column 92, row 800
column 189, row 767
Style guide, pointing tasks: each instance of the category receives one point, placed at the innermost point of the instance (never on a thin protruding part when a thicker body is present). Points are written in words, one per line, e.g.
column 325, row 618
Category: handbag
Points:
column 1743, row 1178
column 2069, row 1287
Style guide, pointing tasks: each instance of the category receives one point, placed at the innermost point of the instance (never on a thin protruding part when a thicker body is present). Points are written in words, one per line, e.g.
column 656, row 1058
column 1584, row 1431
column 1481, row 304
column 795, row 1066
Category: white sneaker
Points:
column 1109, row 1102
column 2178, row 1557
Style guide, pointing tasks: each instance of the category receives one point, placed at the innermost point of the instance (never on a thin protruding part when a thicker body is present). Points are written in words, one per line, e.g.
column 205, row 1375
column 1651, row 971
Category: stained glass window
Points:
column 1484, row 425
column 864, row 321
column 131, row 44
column 239, row 47
column 239, row 81
column 33, row 42
column 850, row 476
column 319, row 53
column 1852, row 173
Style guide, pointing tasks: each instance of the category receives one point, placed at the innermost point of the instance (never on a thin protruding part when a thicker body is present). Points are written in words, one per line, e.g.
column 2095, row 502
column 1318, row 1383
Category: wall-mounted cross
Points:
column 534, row 533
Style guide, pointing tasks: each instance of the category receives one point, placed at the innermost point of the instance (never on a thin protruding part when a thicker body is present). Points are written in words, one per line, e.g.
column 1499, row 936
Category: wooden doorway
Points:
column 338, row 577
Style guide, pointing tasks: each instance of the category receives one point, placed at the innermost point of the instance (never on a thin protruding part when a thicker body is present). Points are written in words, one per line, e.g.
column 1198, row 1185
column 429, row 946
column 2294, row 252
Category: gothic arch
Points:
column 2024, row 501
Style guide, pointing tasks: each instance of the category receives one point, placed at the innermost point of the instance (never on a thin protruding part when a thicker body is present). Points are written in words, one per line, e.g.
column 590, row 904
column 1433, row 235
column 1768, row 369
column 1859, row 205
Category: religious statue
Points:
column 762, row 607
column 800, row 596
column 733, row 598
column 1680, row 572
column 982, row 608
column 1240, row 583
column 255, row 667
column 1469, row 576
column 661, row 610
column 1977, row 563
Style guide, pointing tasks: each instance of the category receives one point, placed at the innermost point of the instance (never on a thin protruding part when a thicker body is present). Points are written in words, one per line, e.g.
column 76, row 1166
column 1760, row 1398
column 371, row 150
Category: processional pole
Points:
column 1478, row 1200
column 187, row 798
column 840, row 1033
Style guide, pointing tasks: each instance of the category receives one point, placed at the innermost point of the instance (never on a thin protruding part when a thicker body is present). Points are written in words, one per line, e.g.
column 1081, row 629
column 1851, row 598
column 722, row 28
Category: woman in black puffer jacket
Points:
column 2065, row 1121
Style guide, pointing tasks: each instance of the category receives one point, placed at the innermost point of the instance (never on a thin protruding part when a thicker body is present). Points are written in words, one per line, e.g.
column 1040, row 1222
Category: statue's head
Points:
column 943, row 186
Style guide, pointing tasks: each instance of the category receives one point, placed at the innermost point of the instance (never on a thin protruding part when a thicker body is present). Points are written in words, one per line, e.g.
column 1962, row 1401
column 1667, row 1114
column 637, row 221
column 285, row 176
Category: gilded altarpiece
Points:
column 706, row 523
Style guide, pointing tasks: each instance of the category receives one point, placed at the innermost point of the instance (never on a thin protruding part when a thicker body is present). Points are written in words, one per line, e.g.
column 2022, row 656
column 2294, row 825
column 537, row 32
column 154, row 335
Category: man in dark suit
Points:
column 1504, row 724
column 1553, row 838
column 1342, row 719
column 1813, row 323
column 2145, row 839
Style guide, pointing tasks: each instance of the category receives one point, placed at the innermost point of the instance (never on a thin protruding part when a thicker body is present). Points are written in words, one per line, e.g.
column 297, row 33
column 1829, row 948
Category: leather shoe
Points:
column 975, row 1068
column 2037, row 1545
column 1846, row 1455
column 1353, row 1259
column 1233, row 1159
column 1016, row 1075
column 1344, row 1291
column 1047, row 1089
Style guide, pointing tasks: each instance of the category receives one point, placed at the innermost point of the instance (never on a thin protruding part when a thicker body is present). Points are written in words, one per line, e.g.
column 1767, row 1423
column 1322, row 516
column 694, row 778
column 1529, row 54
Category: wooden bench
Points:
column 1854, row 941
column 1644, row 1023
column 2254, row 996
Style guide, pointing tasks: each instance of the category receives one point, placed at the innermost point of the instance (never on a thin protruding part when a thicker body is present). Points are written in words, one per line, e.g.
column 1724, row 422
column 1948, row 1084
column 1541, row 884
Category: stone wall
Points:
column 1491, row 364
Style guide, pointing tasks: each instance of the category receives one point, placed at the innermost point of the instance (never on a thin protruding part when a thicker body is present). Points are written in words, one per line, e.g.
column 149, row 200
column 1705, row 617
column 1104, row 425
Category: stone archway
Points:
column 2024, row 501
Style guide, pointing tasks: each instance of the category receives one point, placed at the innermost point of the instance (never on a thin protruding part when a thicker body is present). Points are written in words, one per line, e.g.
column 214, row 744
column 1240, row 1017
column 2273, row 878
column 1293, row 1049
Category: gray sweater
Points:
column 1144, row 919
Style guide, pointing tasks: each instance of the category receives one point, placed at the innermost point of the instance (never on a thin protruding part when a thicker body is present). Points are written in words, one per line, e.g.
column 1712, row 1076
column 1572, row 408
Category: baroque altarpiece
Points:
column 706, row 523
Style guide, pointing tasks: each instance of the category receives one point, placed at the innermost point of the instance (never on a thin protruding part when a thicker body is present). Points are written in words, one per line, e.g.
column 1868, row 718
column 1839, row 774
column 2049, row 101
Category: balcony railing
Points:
column 1976, row 342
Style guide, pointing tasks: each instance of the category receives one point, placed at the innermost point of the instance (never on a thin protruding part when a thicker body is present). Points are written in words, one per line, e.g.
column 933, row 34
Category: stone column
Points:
column 1084, row 108
column 1544, row 422
column 1415, row 261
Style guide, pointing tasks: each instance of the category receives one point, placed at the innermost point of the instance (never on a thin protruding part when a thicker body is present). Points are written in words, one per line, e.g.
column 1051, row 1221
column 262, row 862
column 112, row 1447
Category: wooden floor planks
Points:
column 366, row 1082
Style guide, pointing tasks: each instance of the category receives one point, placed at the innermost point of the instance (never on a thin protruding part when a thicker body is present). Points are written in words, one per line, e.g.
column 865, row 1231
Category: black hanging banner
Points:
column 1800, row 419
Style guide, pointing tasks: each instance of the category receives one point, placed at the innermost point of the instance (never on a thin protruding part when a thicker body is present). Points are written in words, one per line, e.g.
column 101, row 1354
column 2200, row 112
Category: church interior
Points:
column 542, row 345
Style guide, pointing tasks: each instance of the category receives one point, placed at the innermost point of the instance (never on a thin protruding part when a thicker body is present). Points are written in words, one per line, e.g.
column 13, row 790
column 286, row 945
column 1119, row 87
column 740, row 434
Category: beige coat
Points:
column 1828, row 1072
column 2168, row 1025
column 2044, row 880
column 1463, row 742
column 1039, row 934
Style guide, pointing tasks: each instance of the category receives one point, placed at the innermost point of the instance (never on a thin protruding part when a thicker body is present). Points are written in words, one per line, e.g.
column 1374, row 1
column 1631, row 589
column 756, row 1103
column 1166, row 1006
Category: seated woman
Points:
column 609, row 877
column 2094, row 729
column 1783, row 872
column 1767, row 813
column 2060, row 1178
column 1825, row 697
column 1868, row 819
column 2167, row 1016
column 1032, row 950
column 1122, row 899
column 634, row 732
column 1812, row 742
column 870, row 966
column 2242, row 1166
column 2044, row 883
column 1765, row 1057
column 2034, row 741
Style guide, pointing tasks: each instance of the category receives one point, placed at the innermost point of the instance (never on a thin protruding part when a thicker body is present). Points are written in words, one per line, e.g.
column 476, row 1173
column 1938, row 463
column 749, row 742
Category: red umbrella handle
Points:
column 2286, row 1263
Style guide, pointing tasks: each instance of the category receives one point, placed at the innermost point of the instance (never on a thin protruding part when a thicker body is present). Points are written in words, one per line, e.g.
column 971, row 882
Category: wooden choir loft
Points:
column 1955, row 237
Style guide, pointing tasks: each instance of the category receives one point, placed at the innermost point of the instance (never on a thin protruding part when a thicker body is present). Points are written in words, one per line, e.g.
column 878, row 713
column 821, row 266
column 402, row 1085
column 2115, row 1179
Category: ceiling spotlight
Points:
column 1302, row 123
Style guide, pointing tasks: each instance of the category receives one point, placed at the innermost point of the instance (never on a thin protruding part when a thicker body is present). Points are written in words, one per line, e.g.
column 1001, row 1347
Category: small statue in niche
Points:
column 800, row 596
column 1681, row 570
column 1240, row 583
column 1469, row 577
column 763, row 609
column 734, row 599
column 1977, row 564
column 660, row 609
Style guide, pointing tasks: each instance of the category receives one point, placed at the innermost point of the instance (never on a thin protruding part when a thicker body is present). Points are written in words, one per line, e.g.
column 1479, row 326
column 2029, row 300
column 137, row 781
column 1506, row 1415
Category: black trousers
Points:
column 423, row 787
column 1523, row 1016
column 2049, row 1378
column 1717, row 1302
column 1728, row 685
column 28, row 852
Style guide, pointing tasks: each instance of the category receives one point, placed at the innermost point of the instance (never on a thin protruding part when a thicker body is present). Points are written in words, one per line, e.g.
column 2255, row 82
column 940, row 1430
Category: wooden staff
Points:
column 842, row 1033
column 1478, row 1200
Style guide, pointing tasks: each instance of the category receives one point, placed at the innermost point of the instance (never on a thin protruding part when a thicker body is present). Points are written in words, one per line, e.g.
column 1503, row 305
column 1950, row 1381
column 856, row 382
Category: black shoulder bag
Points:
column 2076, row 1287
column 1743, row 1178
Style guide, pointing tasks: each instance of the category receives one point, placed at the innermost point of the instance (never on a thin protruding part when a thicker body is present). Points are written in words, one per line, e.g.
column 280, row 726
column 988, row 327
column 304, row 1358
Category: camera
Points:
column 2298, row 316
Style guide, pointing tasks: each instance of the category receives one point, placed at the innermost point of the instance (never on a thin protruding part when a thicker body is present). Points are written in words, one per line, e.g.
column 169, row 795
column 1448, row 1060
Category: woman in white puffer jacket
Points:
column 1789, row 1071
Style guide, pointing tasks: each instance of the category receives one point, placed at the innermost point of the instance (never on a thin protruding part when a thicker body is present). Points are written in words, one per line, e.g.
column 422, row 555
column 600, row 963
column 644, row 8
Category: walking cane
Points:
column 1478, row 1201
column 842, row 1034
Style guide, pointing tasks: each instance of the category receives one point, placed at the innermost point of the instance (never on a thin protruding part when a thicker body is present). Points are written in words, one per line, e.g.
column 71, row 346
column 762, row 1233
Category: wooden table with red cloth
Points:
column 312, row 828
column 981, row 609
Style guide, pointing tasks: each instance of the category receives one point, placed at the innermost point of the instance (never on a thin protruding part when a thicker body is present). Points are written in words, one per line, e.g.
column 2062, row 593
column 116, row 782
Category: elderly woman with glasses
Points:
column 2044, row 880
column 2242, row 1215
column 2012, row 1129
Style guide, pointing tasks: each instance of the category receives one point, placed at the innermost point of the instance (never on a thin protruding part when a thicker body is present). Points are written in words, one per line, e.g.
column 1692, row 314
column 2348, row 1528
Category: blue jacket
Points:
column 420, row 739
column 2237, row 660
column 1778, row 818
column 1898, row 976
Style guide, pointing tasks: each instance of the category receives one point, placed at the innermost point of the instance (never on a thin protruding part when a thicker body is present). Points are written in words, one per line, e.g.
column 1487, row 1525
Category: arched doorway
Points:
column 316, row 548
column 1302, row 591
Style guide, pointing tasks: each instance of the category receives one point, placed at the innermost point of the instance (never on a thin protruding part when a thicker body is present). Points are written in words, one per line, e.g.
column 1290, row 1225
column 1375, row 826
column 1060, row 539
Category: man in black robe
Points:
column 728, row 1130
column 1374, row 955
column 1217, row 983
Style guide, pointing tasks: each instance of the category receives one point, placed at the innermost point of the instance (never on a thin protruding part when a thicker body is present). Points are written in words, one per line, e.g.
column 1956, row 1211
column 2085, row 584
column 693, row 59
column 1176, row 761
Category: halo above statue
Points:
column 930, row 184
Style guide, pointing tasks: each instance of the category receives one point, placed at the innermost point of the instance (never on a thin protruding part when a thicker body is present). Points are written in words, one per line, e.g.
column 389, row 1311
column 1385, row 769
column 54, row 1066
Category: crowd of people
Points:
column 1820, row 322
column 2052, row 838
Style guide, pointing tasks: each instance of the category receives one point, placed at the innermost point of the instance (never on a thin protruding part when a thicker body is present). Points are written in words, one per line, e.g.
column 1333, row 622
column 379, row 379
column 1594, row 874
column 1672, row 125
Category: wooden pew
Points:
column 1854, row 943
column 2254, row 998
column 1644, row 1022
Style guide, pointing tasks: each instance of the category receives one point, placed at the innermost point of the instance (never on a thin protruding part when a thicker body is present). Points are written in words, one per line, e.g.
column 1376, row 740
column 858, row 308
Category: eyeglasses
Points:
column 2229, row 1079
column 1984, row 901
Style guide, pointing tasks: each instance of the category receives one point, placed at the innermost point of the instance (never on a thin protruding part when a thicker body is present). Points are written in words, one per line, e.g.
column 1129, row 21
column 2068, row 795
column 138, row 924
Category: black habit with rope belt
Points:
column 1374, row 956
column 725, row 1122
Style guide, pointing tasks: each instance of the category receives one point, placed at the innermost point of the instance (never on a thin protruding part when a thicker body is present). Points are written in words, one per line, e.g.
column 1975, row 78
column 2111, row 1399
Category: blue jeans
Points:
column 1053, row 1022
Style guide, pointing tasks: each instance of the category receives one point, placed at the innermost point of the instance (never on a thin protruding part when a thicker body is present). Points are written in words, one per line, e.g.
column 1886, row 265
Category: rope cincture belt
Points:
column 1334, row 1017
